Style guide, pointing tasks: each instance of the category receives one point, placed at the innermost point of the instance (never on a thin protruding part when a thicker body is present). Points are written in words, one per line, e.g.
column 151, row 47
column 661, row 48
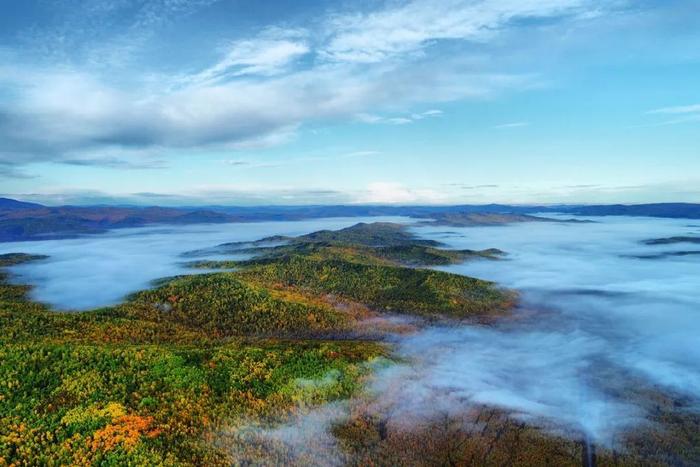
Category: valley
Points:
column 333, row 347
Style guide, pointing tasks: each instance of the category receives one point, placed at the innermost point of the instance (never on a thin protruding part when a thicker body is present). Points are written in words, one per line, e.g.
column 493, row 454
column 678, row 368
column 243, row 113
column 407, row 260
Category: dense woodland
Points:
column 174, row 374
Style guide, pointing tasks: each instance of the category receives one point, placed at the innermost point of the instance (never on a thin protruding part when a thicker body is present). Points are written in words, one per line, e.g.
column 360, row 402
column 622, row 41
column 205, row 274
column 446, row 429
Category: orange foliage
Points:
column 126, row 430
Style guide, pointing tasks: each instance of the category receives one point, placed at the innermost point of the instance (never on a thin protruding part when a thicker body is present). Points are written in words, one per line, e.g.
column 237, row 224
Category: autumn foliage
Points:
column 160, row 378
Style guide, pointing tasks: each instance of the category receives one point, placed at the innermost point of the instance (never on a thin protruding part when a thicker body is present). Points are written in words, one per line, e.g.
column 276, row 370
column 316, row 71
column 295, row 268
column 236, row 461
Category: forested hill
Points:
column 667, row 210
column 162, row 377
column 213, row 369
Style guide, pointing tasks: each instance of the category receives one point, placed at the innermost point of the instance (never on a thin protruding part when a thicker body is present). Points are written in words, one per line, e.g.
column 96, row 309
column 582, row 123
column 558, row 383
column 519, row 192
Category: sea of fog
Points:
column 596, row 321
column 99, row 270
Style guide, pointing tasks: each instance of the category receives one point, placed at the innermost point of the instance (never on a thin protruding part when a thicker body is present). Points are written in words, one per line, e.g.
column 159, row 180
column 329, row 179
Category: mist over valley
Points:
column 598, row 329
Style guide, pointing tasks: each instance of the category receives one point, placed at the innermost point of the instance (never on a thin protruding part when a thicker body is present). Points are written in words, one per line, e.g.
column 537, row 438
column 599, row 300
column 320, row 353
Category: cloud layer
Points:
column 260, row 89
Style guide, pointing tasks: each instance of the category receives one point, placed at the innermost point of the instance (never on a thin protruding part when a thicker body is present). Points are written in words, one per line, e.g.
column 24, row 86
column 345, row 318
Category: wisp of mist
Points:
column 594, row 319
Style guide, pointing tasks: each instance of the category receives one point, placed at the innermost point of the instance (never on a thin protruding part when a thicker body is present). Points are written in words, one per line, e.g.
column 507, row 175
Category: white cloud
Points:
column 369, row 118
column 512, row 125
column 256, row 94
column 297, row 160
column 682, row 109
column 411, row 26
column 104, row 34
column 387, row 192
column 680, row 114
column 396, row 193
column 676, row 121
column 122, row 163
column 432, row 113
column 269, row 54
column 62, row 114
column 399, row 120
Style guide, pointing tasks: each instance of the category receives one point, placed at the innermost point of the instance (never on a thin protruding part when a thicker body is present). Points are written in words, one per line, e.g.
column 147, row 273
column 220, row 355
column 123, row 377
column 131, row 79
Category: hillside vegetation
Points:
column 156, row 379
column 177, row 375
column 369, row 263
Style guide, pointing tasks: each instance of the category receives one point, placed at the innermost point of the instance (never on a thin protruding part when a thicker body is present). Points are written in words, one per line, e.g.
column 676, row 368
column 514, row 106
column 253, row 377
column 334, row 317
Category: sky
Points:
column 244, row 102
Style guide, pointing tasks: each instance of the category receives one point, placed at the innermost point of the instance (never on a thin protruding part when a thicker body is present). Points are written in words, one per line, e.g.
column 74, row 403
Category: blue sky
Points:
column 295, row 102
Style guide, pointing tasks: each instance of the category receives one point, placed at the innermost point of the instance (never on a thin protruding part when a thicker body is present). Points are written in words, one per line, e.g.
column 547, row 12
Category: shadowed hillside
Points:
column 29, row 221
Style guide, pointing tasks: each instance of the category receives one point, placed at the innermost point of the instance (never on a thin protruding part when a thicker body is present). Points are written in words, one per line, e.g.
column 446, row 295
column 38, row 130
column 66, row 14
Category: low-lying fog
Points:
column 596, row 322
column 599, row 319
column 99, row 270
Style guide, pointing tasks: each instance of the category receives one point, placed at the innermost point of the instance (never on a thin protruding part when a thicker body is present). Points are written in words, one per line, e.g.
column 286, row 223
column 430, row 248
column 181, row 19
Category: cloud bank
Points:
column 71, row 106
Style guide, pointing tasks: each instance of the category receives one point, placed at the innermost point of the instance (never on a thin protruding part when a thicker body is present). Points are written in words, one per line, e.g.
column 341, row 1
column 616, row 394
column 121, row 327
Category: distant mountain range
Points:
column 668, row 210
column 30, row 221
column 7, row 204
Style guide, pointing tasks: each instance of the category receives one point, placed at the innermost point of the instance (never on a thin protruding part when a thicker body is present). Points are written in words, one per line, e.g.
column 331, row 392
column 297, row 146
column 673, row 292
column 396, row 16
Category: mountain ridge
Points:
column 21, row 221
